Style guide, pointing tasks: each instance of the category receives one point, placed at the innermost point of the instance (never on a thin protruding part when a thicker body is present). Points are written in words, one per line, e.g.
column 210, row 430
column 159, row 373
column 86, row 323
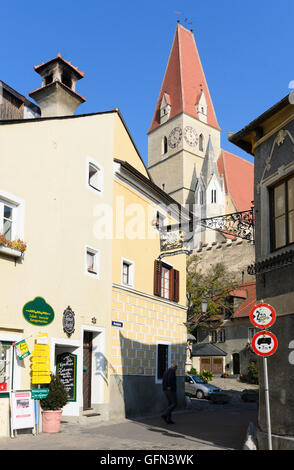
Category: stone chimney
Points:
column 57, row 95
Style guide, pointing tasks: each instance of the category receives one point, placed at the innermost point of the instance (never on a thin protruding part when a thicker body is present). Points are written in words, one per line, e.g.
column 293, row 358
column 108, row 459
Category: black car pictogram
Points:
column 264, row 341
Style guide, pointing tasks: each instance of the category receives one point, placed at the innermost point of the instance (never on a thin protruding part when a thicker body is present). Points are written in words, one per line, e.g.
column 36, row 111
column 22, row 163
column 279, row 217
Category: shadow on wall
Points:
column 136, row 391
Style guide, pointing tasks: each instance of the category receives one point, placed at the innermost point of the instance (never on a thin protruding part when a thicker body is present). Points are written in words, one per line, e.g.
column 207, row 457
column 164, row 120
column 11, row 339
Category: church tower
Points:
column 183, row 123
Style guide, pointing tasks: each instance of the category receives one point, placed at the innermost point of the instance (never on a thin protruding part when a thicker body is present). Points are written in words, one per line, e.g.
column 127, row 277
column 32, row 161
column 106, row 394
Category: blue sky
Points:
column 246, row 49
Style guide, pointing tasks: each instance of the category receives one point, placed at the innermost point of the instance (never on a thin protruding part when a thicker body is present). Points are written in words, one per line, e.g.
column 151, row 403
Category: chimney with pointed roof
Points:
column 57, row 96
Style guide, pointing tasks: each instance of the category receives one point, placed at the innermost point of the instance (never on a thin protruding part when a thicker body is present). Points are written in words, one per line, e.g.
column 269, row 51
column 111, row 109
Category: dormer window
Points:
column 165, row 108
column 201, row 108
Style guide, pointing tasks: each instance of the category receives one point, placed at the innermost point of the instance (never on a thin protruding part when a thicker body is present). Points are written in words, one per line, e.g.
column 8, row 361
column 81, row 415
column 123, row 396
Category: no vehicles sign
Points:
column 264, row 343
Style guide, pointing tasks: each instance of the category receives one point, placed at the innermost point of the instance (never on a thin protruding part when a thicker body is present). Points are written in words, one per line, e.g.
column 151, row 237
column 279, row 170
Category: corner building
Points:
column 62, row 183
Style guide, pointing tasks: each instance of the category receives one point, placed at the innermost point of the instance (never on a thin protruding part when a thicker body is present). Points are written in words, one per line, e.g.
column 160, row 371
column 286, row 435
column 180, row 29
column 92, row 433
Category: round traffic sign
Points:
column 262, row 316
column 264, row 343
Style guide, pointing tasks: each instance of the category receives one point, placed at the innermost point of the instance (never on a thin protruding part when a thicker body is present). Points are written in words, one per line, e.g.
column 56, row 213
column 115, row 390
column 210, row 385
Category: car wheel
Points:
column 199, row 394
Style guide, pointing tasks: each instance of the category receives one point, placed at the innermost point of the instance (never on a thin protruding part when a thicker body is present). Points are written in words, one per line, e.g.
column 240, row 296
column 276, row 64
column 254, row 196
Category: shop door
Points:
column 87, row 369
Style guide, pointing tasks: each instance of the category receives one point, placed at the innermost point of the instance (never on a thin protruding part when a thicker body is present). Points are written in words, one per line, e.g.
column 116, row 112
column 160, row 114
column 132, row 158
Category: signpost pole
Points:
column 267, row 404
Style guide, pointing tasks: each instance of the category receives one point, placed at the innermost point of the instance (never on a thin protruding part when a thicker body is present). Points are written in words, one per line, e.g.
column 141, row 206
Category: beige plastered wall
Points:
column 45, row 164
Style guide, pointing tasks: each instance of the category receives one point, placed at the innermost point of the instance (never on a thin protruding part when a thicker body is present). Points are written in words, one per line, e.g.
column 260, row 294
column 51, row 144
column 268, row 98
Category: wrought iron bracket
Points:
column 237, row 224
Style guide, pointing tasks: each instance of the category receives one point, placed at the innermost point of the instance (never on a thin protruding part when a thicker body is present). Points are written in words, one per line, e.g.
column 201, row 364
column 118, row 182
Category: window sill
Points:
column 10, row 251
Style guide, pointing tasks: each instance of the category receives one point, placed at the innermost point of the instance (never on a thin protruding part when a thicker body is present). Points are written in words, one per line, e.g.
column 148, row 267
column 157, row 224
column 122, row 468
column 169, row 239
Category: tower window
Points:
column 164, row 145
column 201, row 196
column 201, row 142
column 213, row 196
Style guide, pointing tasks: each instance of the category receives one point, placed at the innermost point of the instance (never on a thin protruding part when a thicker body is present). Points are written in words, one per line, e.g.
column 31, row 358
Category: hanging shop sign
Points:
column 264, row 343
column 68, row 321
column 67, row 370
column 38, row 312
column 263, row 316
column 21, row 349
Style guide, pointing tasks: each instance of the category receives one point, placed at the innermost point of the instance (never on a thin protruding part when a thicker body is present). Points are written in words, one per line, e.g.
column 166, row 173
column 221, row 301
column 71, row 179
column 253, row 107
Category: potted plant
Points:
column 52, row 405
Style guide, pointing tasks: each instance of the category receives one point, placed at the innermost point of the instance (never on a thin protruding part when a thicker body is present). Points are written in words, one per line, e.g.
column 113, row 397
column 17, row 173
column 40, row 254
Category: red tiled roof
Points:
column 59, row 57
column 238, row 178
column 245, row 308
column 184, row 80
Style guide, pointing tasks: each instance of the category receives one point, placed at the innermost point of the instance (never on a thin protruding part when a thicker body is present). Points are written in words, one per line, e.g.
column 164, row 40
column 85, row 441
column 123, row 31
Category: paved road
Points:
column 204, row 427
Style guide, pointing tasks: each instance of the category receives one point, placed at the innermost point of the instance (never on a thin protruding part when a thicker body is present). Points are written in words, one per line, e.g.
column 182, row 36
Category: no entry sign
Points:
column 264, row 343
column 263, row 316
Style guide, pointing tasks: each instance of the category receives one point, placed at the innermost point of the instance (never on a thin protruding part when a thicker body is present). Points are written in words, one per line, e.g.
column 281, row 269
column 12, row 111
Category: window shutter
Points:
column 171, row 284
column 176, row 278
column 157, row 277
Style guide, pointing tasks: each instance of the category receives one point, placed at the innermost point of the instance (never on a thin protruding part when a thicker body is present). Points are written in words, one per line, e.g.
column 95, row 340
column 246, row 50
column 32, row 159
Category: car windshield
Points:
column 198, row 380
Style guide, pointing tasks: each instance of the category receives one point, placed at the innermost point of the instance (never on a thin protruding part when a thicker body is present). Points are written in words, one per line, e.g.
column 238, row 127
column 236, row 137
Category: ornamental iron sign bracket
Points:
column 237, row 224
column 68, row 321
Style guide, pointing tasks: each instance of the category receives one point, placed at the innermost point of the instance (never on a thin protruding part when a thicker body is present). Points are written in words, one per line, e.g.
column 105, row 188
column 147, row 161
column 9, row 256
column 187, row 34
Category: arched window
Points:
column 201, row 142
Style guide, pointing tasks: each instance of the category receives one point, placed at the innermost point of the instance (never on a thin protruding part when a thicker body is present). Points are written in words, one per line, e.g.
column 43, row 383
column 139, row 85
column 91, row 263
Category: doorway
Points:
column 236, row 364
column 87, row 369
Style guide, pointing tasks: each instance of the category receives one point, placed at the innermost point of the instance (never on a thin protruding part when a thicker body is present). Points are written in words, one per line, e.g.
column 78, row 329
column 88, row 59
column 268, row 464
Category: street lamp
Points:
column 204, row 305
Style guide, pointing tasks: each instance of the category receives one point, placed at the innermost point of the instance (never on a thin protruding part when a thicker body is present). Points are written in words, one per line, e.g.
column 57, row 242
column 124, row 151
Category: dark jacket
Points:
column 169, row 379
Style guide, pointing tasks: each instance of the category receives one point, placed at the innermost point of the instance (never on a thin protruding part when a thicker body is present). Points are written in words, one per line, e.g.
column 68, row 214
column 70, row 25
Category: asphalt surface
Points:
column 205, row 426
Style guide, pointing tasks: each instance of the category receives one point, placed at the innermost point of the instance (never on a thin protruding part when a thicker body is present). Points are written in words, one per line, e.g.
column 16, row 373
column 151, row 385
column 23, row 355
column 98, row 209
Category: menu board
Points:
column 67, row 371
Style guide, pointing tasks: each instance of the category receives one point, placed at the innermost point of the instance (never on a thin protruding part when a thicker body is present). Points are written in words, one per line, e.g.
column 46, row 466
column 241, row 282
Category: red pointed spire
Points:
column 184, row 80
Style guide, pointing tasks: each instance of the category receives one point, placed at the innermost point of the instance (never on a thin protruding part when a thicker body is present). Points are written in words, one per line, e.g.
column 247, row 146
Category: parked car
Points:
column 198, row 387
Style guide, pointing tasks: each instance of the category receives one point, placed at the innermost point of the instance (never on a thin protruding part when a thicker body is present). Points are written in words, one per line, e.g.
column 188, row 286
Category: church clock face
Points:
column 175, row 137
column 190, row 136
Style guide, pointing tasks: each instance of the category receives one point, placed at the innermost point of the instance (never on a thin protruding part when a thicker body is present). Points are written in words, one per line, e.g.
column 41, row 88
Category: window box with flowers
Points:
column 14, row 248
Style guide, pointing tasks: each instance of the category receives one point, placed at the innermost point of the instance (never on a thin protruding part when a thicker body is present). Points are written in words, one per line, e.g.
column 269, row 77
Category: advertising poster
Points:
column 22, row 410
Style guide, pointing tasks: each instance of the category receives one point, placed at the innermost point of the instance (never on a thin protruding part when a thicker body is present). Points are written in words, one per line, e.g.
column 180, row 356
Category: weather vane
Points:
column 188, row 22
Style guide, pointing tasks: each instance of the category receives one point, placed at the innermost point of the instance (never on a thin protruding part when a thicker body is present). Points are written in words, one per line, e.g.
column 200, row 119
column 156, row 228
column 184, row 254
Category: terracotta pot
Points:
column 51, row 420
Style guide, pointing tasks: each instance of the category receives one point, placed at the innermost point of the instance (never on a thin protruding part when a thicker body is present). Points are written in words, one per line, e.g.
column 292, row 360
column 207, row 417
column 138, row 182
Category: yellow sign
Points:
column 39, row 379
column 41, row 367
column 41, row 361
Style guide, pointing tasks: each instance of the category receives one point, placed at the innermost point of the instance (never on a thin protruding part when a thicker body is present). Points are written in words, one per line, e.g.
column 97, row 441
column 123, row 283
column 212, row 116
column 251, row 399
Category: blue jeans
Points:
column 172, row 403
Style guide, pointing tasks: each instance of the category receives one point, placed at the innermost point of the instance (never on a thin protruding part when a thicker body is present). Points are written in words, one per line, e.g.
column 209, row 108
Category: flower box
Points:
column 10, row 251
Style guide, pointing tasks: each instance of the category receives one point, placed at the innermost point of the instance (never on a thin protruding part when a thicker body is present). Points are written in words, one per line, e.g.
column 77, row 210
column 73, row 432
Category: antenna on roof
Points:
column 178, row 13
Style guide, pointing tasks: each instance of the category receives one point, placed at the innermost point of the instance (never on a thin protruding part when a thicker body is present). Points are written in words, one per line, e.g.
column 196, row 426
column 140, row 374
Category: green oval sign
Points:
column 38, row 312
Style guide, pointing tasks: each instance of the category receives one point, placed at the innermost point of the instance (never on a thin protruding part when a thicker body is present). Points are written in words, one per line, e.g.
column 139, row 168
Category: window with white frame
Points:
column 92, row 262
column 127, row 272
column 94, row 176
column 11, row 216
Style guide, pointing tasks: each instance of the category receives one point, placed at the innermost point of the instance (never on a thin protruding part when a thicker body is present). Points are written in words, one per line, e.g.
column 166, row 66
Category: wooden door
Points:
column 87, row 369
column 217, row 365
column 205, row 363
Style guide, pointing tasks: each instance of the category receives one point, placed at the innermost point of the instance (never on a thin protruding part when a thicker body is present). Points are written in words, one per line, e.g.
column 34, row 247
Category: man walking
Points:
column 169, row 387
